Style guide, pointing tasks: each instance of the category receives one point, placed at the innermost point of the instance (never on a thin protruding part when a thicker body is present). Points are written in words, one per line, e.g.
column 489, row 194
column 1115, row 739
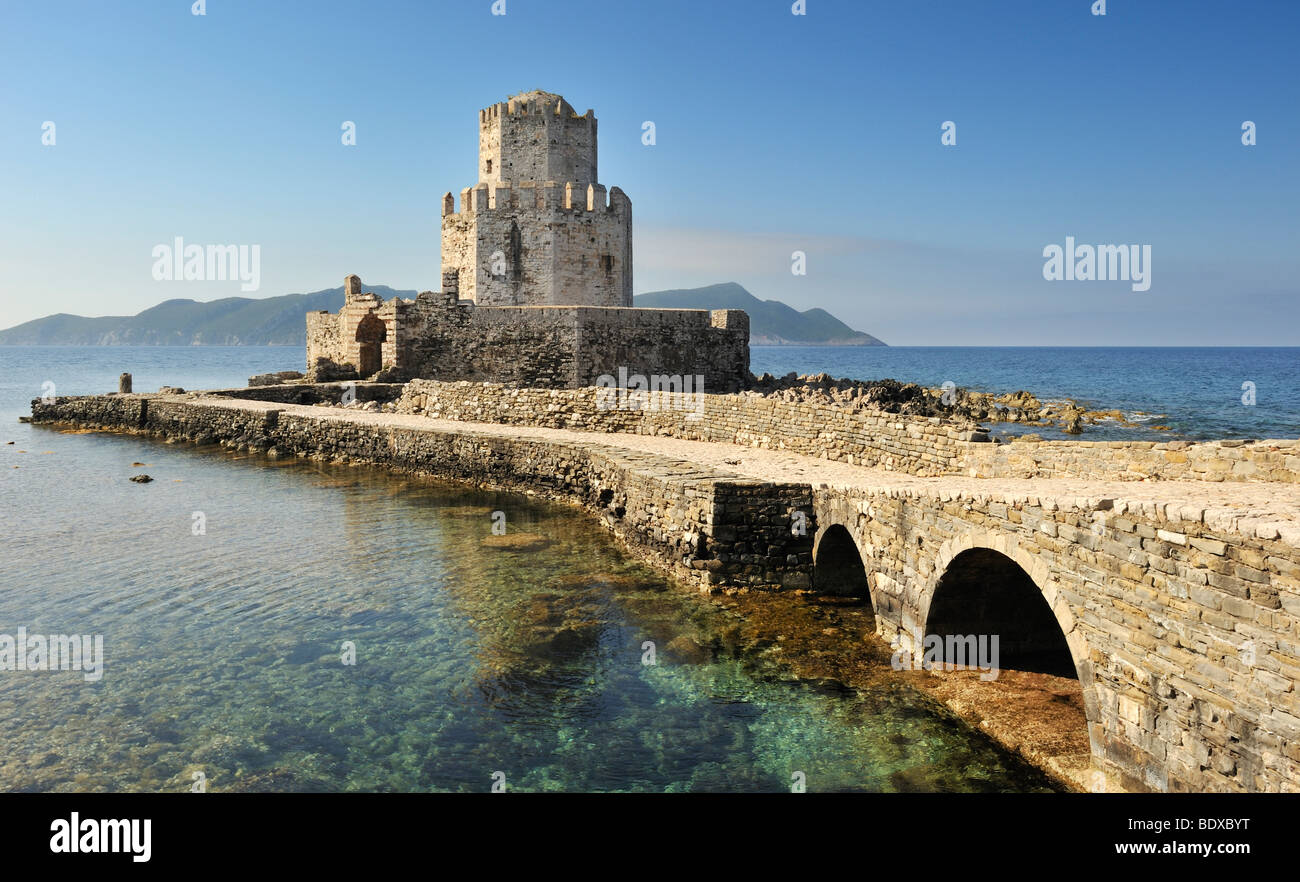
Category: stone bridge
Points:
column 1175, row 602
column 1176, row 610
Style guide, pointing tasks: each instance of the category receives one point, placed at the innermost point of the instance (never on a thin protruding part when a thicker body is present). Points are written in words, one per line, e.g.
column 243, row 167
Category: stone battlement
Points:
column 533, row 104
column 534, row 196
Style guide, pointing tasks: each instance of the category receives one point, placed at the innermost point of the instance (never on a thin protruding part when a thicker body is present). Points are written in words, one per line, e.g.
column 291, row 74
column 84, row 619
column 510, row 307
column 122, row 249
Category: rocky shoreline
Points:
column 952, row 402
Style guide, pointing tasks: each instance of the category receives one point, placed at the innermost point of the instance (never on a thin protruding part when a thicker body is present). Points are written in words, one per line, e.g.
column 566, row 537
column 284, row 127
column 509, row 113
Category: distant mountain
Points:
column 770, row 321
column 279, row 321
column 231, row 321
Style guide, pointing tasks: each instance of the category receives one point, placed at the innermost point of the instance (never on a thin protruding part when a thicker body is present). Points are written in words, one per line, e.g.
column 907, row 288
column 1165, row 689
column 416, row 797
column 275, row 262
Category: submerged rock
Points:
column 574, row 639
column 688, row 651
column 516, row 542
column 918, row 779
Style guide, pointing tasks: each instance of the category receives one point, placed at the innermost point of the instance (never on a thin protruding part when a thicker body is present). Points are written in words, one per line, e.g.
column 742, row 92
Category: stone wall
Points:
column 534, row 347
column 441, row 336
column 1276, row 460
column 712, row 345
column 916, row 446
column 925, row 446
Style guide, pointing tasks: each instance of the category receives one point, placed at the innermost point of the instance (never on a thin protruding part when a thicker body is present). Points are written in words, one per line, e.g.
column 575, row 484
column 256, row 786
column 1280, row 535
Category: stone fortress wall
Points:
column 439, row 335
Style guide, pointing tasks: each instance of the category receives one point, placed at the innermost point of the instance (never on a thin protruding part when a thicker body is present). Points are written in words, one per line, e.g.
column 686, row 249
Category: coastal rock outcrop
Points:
column 274, row 379
column 947, row 402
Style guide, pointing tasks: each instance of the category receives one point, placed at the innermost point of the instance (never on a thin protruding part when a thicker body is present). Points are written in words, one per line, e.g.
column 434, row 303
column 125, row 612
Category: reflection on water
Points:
column 474, row 654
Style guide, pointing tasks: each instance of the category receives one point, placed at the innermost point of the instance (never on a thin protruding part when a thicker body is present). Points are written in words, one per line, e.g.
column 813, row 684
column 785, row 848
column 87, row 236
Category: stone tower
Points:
column 538, row 229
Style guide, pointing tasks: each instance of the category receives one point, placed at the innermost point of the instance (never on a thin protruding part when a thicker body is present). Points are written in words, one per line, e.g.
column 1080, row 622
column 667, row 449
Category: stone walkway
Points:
column 1267, row 510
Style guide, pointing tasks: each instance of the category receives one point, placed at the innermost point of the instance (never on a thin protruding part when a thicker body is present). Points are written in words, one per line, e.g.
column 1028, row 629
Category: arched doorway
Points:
column 837, row 565
column 983, row 593
column 371, row 335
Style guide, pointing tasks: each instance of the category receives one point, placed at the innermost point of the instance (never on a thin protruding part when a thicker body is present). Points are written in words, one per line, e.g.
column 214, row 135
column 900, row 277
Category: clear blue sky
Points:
column 775, row 133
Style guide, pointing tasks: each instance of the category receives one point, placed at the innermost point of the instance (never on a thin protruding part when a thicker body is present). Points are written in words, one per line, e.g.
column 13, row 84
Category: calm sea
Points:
column 228, row 591
column 1197, row 393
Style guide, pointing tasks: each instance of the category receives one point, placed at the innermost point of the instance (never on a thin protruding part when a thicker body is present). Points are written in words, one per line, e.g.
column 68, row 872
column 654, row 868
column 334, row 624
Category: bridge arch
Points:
column 838, row 567
column 1026, row 600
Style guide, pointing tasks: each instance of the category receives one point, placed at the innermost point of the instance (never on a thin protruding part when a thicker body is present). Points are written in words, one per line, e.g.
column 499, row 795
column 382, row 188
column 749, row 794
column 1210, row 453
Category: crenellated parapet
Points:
column 532, row 196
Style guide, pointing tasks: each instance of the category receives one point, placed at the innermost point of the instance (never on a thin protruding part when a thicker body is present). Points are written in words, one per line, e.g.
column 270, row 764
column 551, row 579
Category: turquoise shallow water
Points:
column 223, row 649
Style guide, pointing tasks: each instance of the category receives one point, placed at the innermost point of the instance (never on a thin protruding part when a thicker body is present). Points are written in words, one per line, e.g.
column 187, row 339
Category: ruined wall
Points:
column 364, row 334
column 439, row 336
column 923, row 446
column 324, row 339
column 537, row 244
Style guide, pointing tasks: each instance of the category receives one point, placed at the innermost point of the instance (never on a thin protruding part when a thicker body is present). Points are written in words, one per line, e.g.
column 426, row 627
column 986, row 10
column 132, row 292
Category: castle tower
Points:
column 538, row 229
column 536, row 136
